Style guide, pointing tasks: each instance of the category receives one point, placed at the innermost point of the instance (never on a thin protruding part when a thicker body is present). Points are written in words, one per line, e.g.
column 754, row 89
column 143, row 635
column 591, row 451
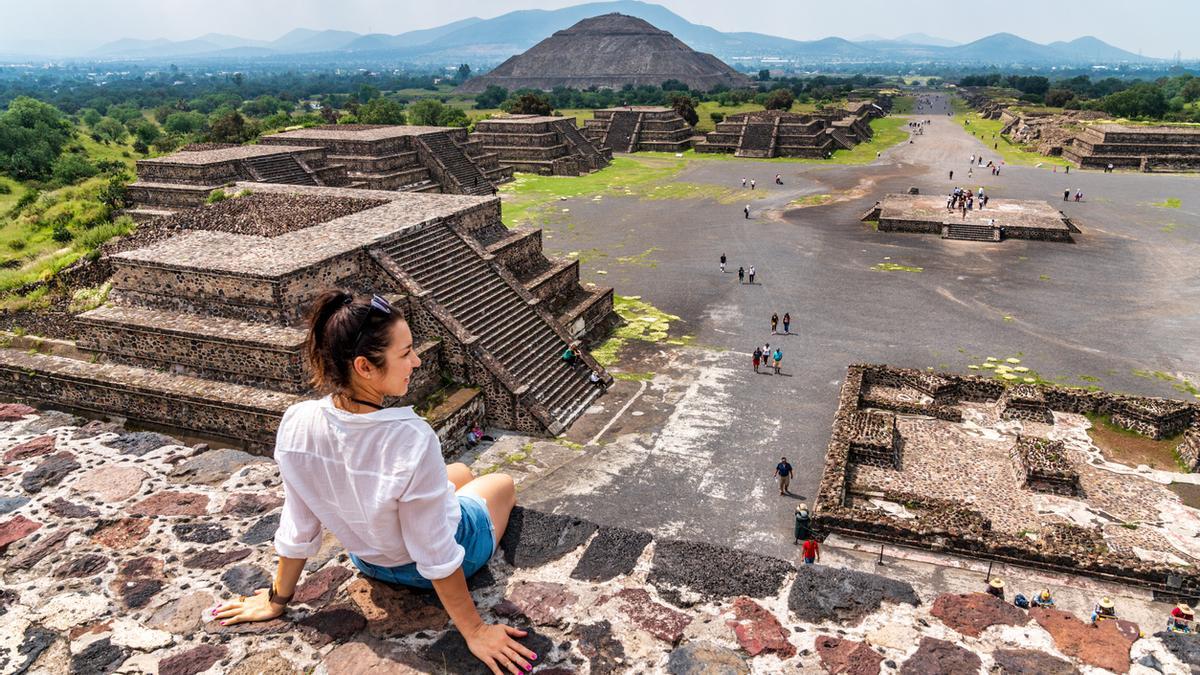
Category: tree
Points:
column 686, row 107
column 453, row 117
column 464, row 73
column 716, row 117
column 146, row 132
column 1058, row 98
column 381, row 111
column 32, row 136
column 764, row 75
column 780, row 99
column 90, row 116
column 491, row 97
column 184, row 122
column 1140, row 100
column 674, row 85
column 527, row 103
column 230, row 128
column 71, row 168
column 427, row 112
column 109, row 130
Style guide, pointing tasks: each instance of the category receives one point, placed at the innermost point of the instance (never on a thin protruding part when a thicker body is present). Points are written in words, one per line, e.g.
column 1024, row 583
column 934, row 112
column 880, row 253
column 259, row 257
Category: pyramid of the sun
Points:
column 609, row 51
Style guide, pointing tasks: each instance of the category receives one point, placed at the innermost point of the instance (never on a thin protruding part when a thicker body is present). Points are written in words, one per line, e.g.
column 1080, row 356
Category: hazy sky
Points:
column 1156, row 27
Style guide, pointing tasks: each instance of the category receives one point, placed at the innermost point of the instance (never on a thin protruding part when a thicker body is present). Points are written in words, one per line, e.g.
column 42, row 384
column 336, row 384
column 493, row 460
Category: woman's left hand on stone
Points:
column 248, row 608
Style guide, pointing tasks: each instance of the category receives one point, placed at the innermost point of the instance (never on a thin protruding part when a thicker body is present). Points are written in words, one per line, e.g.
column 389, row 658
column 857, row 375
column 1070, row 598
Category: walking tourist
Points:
column 568, row 356
column 751, row 183
column 783, row 471
column 741, row 275
column 757, row 357
column 766, row 352
column 801, row 528
column 1079, row 195
column 779, row 179
column 787, row 323
column 1109, row 168
column 1067, row 194
column 777, row 357
column 722, row 263
column 751, row 273
column 746, row 212
column 743, row 181
column 951, row 174
column 774, row 323
column 996, row 587
column 421, row 524
column 811, row 551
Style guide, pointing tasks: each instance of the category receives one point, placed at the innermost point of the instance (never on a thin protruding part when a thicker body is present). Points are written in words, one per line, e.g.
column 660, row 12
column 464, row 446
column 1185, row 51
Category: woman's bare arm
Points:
column 491, row 643
column 257, row 607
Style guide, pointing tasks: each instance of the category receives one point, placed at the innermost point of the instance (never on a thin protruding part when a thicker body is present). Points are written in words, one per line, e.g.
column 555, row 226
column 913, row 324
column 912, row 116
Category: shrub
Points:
column 216, row 196
column 17, row 244
column 381, row 111
column 61, row 233
column 716, row 117
column 86, row 299
column 71, row 168
column 5, row 189
column 97, row 236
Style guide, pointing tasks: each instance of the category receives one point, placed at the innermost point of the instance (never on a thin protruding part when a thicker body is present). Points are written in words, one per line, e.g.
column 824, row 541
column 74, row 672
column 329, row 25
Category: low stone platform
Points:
column 639, row 128
column 113, row 543
column 544, row 145
column 1135, row 146
column 1002, row 219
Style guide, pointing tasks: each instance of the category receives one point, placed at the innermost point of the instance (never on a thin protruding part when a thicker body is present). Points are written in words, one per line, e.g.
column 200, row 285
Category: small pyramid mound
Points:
column 609, row 51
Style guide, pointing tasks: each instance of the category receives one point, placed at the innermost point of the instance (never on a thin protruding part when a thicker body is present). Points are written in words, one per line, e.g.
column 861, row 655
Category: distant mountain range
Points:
column 488, row 41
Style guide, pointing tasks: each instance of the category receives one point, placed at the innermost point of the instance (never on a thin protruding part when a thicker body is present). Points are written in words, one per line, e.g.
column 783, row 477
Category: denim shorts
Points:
column 476, row 534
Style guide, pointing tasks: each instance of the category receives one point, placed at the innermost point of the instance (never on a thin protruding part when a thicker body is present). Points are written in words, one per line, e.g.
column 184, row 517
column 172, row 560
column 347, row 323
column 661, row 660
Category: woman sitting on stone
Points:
column 374, row 476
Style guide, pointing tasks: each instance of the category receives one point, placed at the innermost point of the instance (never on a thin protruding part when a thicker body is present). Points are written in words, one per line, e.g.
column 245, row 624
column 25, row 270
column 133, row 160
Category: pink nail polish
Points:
column 535, row 656
column 222, row 623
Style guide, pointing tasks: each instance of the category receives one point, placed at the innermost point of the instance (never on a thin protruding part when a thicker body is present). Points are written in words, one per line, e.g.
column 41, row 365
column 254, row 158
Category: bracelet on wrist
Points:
column 276, row 599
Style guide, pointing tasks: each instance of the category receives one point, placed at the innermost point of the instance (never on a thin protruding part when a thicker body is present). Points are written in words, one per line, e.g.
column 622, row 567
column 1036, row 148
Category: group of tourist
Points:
column 765, row 356
column 965, row 200
column 787, row 324
column 802, row 529
column 1181, row 620
column 1067, row 195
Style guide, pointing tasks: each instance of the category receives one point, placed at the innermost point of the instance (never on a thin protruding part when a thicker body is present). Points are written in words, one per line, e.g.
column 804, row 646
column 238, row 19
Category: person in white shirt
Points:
column 375, row 478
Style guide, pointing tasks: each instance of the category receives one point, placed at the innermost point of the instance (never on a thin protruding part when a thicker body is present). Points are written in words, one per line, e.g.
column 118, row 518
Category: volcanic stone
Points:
column 758, row 630
column 357, row 658
column 10, row 504
column 50, row 419
column 99, row 658
column 702, row 658
column 35, row 641
column 330, row 547
column 72, row 609
column 333, row 624
column 32, row 448
column 111, row 483
column 250, row 628
column 195, row 660
column 822, row 593
column 137, row 593
column 138, row 443
column 121, row 534
column 971, row 613
column 144, row 567
column 533, row 538
column 847, row 657
column 272, row 663
column 657, row 619
column 247, row 504
column 1104, row 644
column 65, row 509
column 940, row 656
column 133, row 635
column 604, row 652
column 34, row 554
column 81, row 567
column 211, row 467
column 211, row 560
column 245, row 579
column 261, row 531
column 172, row 504
column 12, row 412
column 451, row 649
column 1186, row 648
column 1030, row 662
column 613, row 552
column 95, row 428
column 15, row 529
column 50, row 472
column 545, row 603
column 181, row 616
column 713, row 572
column 201, row 533
column 318, row 588
column 394, row 611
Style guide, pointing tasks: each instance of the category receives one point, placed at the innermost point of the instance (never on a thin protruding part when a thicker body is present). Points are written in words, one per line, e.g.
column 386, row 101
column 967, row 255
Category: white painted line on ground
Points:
column 620, row 412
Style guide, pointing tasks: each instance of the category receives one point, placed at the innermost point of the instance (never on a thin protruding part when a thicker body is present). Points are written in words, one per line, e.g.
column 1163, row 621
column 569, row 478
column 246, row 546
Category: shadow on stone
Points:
column 713, row 572
column 823, row 593
column 534, row 538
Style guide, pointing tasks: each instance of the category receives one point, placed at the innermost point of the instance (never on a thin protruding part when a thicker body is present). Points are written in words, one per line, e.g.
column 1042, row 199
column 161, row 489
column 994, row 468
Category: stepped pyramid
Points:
column 609, row 51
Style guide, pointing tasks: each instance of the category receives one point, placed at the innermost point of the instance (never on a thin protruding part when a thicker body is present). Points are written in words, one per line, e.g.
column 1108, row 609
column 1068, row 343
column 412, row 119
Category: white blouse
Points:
column 377, row 481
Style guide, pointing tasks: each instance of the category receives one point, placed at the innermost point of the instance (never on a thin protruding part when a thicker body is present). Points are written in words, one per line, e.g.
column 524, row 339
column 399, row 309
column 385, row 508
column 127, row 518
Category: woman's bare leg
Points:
column 459, row 474
column 500, row 493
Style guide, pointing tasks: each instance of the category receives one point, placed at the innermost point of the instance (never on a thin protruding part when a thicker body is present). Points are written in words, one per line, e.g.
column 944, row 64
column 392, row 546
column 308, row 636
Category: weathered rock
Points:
column 98, row 658
column 252, row 628
column 212, row 467
column 195, row 660
column 971, row 613
column 657, row 619
column 394, row 611
column 82, row 567
column 533, row 538
column 713, row 572
column 121, row 534
column 50, row 419
column 201, row 533
column 332, row 624
column 545, row 603
column 245, row 579
column 10, row 504
column 34, row 554
column 1030, row 662
column 822, row 593
column 612, row 552
column 12, row 412
column 840, row 656
column 172, row 504
column 897, row 636
column 604, row 652
column 357, row 658
column 246, row 504
column 65, row 509
column 261, row 531
column 702, row 658
column 35, row 641
column 50, row 472
column 181, row 616
column 137, row 593
column 42, row 445
column 1186, row 648
column 96, row 428
column 451, row 650
column 130, row 634
column 268, row 663
column 319, row 588
column 211, row 560
column 1104, row 644
column 139, row 443
column 940, row 656
column 111, row 483
column 15, row 529
column 330, row 547
column 758, row 631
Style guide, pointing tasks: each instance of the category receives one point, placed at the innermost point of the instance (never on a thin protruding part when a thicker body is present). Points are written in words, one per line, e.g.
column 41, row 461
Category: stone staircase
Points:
column 581, row 144
column 622, row 131
column 470, row 180
column 522, row 340
column 278, row 169
column 757, row 140
column 970, row 232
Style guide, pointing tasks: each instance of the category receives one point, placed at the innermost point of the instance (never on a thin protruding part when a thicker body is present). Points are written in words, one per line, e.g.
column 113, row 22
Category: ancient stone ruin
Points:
column 1145, row 148
column 639, row 128
column 986, row 473
column 776, row 133
column 609, row 52
column 203, row 330
column 551, row 146
column 1001, row 219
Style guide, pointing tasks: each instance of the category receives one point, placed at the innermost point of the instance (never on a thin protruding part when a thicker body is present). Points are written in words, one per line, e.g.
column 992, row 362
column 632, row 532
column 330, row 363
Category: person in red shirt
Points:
column 811, row 551
column 1182, row 618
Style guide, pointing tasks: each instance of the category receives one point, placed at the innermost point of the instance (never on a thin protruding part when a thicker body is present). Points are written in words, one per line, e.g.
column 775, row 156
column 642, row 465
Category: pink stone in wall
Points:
column 16, row 528
column 32, row 448
column 172, row 504
column 112, row 483
column 758, row 630
column 847, row 657
column 121, row 534
column 655, row 618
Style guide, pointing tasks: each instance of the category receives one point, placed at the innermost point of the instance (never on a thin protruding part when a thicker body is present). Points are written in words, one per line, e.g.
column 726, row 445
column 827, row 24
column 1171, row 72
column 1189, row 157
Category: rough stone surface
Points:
column 192, row 661
column 172, row 504
column 317, row 589
column 657, row 619
column 940, row 656
column 757, row 630
column 34, row 554
column 139, row 443
column 112, row 483
column 42, row 445
column 605, row 654
column 1030, row 662
column 840, row 656
column 534, row 538
column 212, row 467
column 357, row 658
column 65, row 509
column 245, row 579
column 823, row 593
column 392, row 611
column 1104, row 644
column 50, row 472
column 181, row 616
column 262, row 530
column 121, row 534
column 200, row 533
column 971, row 613
column 713, row 572
column 211, row 560
column 1185, row 647
column 612, row 552
column 81, row 567
column 271, row 663
column 10, row 504
column 98, row 658
column 451, row 650
column 703, row 658
column 250, row 504
column 15, row 529
column 331, row 624
column 50, row 419
column 137, row 593
column 35, row 641
column 12, row 412
column 545, row 603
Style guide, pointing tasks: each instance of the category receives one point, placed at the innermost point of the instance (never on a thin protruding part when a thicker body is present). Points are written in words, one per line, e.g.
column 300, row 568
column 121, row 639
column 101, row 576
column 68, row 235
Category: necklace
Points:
column 359, row 401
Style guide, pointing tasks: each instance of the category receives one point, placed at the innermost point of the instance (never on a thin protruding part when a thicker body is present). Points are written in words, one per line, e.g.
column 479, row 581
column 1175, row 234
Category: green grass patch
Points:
column 988, row 132
column 893, row 267
column 1168, row 203
column 903, row 105
column 642, row 259
column 642, row 321
column 811, row 200
column 634, row 377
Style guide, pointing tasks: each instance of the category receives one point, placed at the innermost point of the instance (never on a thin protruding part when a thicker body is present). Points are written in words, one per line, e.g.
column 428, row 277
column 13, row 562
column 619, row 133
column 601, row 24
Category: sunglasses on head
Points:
column 378, row 304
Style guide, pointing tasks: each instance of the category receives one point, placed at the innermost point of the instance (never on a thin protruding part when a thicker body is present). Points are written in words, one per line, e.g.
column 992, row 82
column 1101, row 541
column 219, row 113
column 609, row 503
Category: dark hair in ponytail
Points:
column 340, row 329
